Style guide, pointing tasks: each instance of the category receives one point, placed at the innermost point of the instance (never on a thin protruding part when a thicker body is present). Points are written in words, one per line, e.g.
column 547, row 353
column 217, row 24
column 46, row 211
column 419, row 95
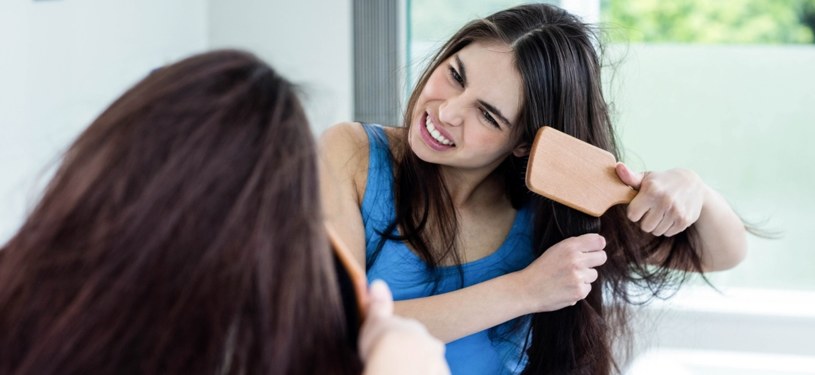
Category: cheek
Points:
column 436, row 86
column 495, row 146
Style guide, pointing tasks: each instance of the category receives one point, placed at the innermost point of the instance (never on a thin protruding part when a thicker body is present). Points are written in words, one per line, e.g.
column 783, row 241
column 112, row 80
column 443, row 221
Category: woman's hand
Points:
column 667, row 202
column 563, row 274
column 389, row 344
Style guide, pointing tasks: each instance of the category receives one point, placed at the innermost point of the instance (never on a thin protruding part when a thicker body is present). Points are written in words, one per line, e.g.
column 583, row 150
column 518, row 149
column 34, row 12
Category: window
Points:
column 430, row 23
column 723, row 88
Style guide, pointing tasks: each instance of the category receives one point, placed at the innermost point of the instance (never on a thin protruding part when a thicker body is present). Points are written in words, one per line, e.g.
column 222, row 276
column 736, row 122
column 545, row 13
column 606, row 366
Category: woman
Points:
column 440, row 207
column 183, row 234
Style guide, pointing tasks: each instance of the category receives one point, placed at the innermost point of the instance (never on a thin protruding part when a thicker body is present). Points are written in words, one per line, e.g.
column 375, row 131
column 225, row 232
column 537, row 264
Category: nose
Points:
column 451, row 112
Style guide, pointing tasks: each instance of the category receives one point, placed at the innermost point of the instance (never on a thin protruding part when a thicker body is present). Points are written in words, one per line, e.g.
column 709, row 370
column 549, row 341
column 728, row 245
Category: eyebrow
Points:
column 463, row 73
column 494, row 110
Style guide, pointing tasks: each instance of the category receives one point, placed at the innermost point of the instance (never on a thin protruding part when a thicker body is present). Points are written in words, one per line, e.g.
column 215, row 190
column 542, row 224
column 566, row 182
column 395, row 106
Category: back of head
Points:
column 181, row 234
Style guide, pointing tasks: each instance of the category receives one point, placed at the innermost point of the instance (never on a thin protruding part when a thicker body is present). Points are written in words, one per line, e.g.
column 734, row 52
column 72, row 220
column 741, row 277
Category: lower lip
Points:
column 427, row 138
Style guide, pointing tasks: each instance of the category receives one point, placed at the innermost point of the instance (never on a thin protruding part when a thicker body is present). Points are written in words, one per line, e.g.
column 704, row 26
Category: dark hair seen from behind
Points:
column 182, row 234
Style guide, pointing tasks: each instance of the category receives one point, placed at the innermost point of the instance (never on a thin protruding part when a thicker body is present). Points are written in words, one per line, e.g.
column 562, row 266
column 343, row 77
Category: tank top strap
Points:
column 377, row 203
column 379, row 148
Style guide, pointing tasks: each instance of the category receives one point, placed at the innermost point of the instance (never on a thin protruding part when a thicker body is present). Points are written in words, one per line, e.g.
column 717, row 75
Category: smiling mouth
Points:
column 437, row 136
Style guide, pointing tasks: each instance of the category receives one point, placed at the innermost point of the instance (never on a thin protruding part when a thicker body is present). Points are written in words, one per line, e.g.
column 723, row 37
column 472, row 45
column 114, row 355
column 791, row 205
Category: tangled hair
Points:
column 558, row 60
column 182, row 234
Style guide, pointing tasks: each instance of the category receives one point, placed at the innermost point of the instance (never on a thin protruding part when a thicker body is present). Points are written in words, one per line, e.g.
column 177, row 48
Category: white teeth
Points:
column 435, row 133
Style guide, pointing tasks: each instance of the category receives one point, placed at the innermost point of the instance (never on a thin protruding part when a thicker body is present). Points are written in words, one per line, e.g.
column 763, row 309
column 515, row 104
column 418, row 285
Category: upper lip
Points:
column 437, row 125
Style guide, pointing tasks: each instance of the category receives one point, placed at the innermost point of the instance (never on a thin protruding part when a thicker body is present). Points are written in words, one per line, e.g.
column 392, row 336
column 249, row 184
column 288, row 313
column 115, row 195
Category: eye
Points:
column 488, row 117
column 456, row 77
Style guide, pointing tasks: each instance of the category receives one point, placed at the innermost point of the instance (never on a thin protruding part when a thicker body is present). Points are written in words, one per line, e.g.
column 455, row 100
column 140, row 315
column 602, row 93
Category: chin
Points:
column 417, row 146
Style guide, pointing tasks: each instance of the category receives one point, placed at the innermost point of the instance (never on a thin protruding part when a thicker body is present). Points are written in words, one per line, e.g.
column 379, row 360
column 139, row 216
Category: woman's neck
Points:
column 471, row 188
column 467, row 188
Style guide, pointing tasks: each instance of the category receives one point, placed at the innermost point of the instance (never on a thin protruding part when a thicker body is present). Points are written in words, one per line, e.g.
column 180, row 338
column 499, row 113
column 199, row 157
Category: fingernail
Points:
column 378, row 289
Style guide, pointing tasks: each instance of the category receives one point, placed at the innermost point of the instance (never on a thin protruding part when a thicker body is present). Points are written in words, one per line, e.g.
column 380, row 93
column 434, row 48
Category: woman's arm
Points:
column 669, row 202
column 343, row 159
column 722, row 233
column 558, row 278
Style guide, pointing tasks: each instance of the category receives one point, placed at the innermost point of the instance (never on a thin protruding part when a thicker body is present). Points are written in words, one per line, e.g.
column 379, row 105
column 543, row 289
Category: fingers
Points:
column 591, row 256
column 667, row 202
column 628, row 176
column 380, row 299
column 651, row 209
column 583, row 292
column 651, row 220
column 666, row 224
column 594, row 259
column 591, row 246
column 674, row 230
column 655, row 220
column 636, row 209
column 586, row 243
column 563, row 274
column 380, row 309
column 590, row 275
column 389, row 344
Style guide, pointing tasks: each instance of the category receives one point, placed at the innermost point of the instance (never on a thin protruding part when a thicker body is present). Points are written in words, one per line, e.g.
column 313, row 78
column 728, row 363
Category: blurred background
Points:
column 724, row 87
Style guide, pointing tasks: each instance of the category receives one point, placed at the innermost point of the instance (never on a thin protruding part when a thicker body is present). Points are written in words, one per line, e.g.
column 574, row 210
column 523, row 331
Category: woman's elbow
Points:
column 727, row 255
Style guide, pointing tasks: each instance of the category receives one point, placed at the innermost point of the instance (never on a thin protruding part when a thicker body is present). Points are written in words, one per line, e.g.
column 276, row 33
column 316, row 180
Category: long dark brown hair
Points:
column 559, row 60
column 182, row 234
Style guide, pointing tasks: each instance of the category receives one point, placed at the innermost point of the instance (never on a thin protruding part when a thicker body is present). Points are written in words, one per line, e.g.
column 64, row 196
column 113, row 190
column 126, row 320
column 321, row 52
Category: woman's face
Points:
column 465, row 113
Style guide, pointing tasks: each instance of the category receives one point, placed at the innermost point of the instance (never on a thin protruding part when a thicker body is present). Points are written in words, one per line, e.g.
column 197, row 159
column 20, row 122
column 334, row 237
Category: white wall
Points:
column 738, row 331
column 308, row 41
column 742, row 117
column 61, row 63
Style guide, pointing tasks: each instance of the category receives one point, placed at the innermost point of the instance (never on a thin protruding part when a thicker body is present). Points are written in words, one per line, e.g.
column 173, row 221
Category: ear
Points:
column 521, row 150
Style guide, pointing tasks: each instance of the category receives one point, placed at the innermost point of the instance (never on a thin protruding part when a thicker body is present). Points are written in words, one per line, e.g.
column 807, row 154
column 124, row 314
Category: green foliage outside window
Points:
column 710, row 21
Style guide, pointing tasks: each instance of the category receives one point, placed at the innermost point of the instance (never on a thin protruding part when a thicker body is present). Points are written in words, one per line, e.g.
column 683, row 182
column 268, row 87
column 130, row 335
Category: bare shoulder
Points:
column 352, row 135
column 343, row 160
column 344, row 153
column 342, row 136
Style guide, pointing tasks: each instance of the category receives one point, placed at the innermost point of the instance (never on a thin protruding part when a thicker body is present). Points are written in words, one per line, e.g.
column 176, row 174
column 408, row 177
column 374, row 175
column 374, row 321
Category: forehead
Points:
column 492, row 76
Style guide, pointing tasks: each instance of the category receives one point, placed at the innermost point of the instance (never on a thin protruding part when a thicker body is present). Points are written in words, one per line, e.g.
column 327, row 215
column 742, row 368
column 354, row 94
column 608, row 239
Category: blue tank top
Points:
column 493, row 351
